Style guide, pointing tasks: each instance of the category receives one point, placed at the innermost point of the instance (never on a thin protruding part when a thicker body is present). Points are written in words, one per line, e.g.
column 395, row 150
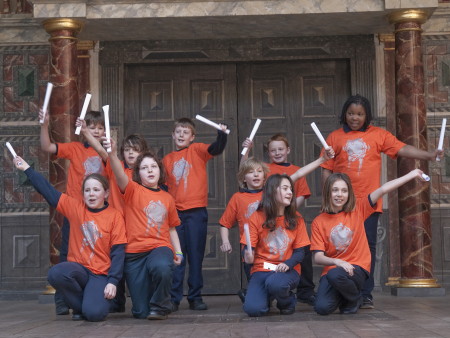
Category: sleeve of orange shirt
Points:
column 229, row 216
column 318, row 242
column 301, row 237
column 66, row 150
column 174, row 220
column 302, row 188
column 330, row 163
column 391, row 145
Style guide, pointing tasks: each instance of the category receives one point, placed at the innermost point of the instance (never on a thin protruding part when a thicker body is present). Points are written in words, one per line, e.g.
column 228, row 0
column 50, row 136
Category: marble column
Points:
column 413, row 197
column 63, row 109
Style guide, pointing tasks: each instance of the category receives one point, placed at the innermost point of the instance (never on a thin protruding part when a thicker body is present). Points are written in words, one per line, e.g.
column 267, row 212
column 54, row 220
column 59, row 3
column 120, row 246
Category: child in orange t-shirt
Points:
column 278, row 237
column 153, row 245
column 338, row 241
column 94, row 266
column 187, row 183
column 358, row 146
column 84, row 160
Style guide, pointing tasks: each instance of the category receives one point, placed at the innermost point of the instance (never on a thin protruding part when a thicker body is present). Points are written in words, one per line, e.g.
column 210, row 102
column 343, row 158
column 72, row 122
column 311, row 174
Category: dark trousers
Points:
column 149, row 279
column 265, row 285
column 306, row 286
column 63, row 252
column 338, row 289
column 118, row 303
column 370, row 225
column 192, row 235
column 82, row 290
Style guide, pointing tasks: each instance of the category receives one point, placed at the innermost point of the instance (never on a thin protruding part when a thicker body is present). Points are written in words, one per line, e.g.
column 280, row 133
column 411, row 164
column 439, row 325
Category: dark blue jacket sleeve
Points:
column 296, row 258
column 218, row 146
column 117, row 255
column 43, row 187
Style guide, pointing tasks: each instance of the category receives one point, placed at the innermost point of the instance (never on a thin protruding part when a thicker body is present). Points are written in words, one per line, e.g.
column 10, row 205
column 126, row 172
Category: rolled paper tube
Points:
column 247, row 238
column 441, row 137
column 426, row 177
column 252, row 135
column 87, row 99
column 319, row 135
column 107, row 130
column 48, row 93
column 11, row 150
column 211, row 123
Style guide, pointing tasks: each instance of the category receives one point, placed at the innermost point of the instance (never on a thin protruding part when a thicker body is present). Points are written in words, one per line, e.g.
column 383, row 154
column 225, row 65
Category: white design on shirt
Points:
column 91, row 234
column 181, row 171
column 156, row 214
column 93, row 165
column 341, row 236
column 251, row 208
column 278, row 242
column 356, row 151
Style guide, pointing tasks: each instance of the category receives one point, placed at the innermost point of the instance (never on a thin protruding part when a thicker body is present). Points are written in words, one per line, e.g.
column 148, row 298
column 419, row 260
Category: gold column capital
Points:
column 386, row 37
column 52, row 25
column 409, row 15
column 85, row 45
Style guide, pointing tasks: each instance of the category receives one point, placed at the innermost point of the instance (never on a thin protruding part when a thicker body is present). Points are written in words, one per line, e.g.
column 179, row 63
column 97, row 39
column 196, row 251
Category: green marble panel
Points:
column 26, row 81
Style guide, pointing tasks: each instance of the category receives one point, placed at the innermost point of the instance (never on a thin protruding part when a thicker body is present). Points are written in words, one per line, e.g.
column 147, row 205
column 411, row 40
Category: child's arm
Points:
column 116, row 166
column 46, row 144
column 394, row 184
column 218, row 146
column 246, row 144
column 310, row 167
column 176, row 245
column 296, row 258
column 321, row 259
column 93, row 142
column 226, row 246
column 117, row 255
column 409, row 151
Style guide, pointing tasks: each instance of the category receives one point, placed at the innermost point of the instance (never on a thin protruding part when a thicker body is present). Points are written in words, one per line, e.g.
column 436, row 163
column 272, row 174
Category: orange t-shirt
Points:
column 300, row 186
column 342, row 235
column 148, row 217
column 83, row 162
column 115, row 196
column 276, row 246
column 239, row 209
column 186, row 175
column 358, row 154
column 92, row 234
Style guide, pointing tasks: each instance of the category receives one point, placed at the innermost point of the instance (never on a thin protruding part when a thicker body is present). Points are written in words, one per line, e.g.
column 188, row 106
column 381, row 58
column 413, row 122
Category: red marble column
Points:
column 414, row 197
column 63, row 109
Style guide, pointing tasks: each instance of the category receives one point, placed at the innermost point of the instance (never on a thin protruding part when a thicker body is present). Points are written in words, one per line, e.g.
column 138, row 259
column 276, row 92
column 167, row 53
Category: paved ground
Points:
column 393, row 317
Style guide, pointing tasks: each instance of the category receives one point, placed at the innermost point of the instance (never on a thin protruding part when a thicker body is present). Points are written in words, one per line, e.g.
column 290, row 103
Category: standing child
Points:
column 339, row 242
column 84, row 160
column 94, row 266
column 187, row 182
column 150, row 219
column 358, row 146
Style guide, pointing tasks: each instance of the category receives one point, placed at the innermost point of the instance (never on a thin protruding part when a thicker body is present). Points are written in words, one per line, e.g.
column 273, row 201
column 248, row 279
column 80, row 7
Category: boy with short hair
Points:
column 187, row 183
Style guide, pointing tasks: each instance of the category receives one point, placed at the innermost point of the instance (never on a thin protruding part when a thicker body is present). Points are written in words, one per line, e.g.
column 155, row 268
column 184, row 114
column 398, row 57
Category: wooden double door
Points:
column 287, row 96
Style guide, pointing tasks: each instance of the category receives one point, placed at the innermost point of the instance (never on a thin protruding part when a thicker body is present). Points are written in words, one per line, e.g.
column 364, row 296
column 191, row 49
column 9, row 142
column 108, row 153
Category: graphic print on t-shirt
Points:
column 251, row 208
column 277, row 242
column 156, row 214
column 356, row 150
column 93, row 165
column 181, row 171
column 341, row 236
column 91, row 235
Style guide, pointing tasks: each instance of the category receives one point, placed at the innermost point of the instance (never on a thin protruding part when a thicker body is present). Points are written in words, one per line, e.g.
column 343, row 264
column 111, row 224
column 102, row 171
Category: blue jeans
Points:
column 370, row 225
column 264, row 285
column 305, row 288
column 192, row 234
column 338, row 289
column 81, row 289
column 149, row 279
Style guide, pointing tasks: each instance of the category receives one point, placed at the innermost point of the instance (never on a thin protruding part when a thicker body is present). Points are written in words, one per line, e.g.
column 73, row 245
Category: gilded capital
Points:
column 73, row 25
column 410, row 15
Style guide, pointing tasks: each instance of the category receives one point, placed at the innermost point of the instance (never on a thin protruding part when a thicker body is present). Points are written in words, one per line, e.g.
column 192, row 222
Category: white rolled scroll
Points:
column 211, row 123
column 319, row 135
column 252, row 135
column 441, row 137
column 48, row 93
column 11, row 150
column 87, row 99
column 107, row 129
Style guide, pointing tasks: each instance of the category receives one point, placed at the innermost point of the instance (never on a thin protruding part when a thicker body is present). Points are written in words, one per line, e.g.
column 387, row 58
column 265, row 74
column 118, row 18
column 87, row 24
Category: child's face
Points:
column 94, row 194
column 97, row 130
column 130, row 154
column 254, row 178
column 284, row 193
column 278, row 151
column 183, row 137
column 355, row 116
column 339, row 195
column 149, row 172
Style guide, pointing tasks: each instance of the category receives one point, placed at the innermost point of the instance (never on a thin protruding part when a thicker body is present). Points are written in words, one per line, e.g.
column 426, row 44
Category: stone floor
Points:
column 393, row 317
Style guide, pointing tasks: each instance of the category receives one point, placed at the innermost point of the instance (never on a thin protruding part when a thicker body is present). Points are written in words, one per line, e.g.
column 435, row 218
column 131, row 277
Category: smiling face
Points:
column 130, row 154
column 284, row 195
column 94, row 194
column 339, row 195
column 355, row 116
column 96, row 129
column 254, row 178
column 183, row 137
column 278, row 151
column 149, row 172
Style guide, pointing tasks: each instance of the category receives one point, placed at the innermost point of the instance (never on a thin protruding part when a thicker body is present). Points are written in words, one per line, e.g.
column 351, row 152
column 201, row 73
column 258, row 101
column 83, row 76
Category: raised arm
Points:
column 93, row 142
column 246, row 144
column 394, row 184
column 116, row 165
column 409, row 151
column 46, row 144
column 218, row 146
column 310, row 167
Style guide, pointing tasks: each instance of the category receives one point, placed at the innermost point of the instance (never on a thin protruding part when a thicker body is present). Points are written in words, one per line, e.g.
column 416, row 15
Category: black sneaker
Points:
column 351, row 308
column 198, row 305
column 367, row 303
column 288, row 311
column 311, row 300
column 174, row 307
column 157, row 315
column 77, row 317
column 241, row 294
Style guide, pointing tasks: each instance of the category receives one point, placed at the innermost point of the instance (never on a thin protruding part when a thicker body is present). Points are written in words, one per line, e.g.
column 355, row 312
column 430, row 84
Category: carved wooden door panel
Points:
column 155, row 96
